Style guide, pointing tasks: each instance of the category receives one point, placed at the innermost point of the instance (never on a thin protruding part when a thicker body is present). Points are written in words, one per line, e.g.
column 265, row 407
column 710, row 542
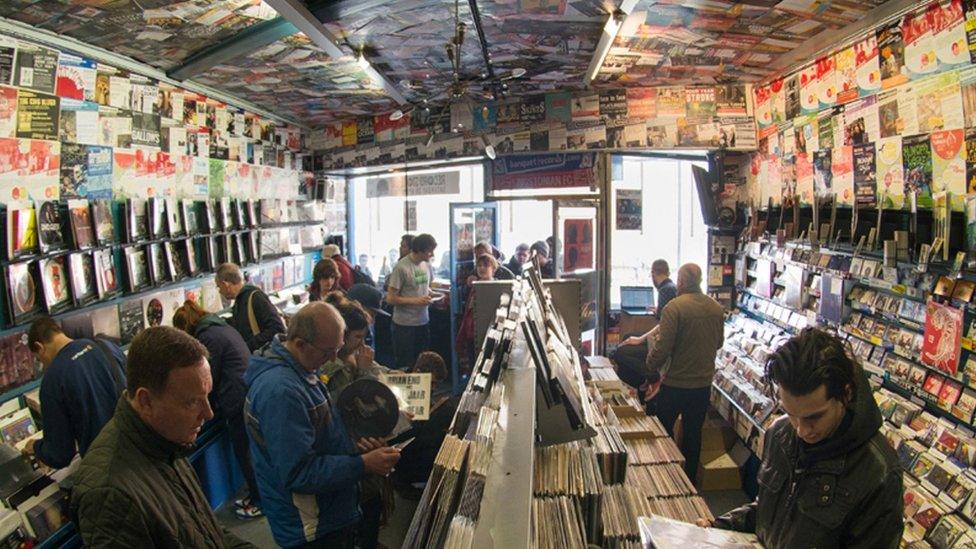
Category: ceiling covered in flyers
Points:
column 662, row 43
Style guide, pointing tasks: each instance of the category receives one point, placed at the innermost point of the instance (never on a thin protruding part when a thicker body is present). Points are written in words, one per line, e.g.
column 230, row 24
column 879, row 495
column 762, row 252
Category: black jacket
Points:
column 665, row 293
column 136, row 489
column 514, row 265
column 229, row 357
column 266, row 314
column 844, row 492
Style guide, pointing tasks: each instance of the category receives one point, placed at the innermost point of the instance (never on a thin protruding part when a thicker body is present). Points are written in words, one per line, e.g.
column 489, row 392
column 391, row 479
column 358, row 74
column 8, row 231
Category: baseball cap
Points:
column 367, row 296
column 330, row 251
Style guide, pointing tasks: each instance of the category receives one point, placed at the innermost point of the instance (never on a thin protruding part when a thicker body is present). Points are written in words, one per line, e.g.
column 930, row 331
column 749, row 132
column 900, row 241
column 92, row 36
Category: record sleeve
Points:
column 157, row 218
column 154, row 310
column 23, row 291
column 238, row 208
column 82, row 229
column 106, row 277
column 130, row 319
column 21, row 231
column 55, row 282
column 104, row 225
column 174, row 218
column 208, row 216
column 50, row 227
column 158, row 265
column 136, row 268
column 190, row 220
column 227, row 218
column 136, row 220
column 81, row 267
column 176, row 259
column 192, row 265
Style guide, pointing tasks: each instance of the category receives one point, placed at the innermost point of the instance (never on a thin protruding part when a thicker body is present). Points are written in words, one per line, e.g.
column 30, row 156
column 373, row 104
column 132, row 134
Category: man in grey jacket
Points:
column 829, row 478
column 692, row 329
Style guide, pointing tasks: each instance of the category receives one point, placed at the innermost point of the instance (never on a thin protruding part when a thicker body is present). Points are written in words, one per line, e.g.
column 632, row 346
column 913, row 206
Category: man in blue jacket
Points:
column 83, row 379
column 307, row 466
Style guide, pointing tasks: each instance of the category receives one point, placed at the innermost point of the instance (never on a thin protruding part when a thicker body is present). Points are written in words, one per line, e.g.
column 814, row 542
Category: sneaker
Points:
column 248, row 512
column 243, row 502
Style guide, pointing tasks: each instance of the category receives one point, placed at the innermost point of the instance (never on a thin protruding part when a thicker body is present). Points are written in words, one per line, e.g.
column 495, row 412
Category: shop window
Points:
column 662, row 220
column 385, row 206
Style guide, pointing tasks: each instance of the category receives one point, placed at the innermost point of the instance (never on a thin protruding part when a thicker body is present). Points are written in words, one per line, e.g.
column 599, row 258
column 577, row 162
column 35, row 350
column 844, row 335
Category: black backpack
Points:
column 359, row 277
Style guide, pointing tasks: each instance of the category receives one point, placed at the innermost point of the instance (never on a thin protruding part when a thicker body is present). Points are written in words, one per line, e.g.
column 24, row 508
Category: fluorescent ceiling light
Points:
column 602, row 48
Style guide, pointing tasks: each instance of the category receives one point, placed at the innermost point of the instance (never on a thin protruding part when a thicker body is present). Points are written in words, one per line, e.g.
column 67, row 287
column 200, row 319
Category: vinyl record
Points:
column 369, row 408
column 154, row 313
column 24, row 291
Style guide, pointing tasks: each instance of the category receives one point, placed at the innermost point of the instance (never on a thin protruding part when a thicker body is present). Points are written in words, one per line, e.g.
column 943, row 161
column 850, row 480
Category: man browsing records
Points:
column 82, row 381
column 253, row 314
column 410, row 295
column 829, row 478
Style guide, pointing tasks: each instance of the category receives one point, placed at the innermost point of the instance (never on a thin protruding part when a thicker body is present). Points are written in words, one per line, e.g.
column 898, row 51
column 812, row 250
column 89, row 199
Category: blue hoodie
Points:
column 306, row 464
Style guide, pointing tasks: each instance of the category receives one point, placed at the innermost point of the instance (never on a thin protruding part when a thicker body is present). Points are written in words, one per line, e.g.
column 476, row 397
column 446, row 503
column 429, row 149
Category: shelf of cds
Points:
column 911, row 326
column 541, row 454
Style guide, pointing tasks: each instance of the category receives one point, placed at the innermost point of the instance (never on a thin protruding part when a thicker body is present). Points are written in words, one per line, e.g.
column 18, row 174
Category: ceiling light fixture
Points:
column 607, row 38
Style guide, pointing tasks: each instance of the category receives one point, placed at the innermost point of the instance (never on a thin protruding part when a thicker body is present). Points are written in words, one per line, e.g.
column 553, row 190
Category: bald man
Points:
column 690, row 333
column 307, row 468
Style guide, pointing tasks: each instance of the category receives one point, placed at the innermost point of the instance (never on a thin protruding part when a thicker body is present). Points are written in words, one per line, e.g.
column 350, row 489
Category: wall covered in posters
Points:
column 698, row 117
column 881, row 119
column 71, row 127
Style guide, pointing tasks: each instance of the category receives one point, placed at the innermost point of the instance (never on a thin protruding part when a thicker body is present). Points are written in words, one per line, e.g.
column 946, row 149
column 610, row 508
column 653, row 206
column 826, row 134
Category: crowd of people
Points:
column 274, row 384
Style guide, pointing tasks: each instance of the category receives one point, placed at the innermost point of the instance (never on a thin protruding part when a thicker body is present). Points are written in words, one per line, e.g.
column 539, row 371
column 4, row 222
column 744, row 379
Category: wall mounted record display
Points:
column 21, row 230
column 174, row 218
column 137, row 268
column 136, row 220
column 50, row 235
column 105, row 275
column 176, row 259
column 158, row 266
column 156, row 209
column 22, row 286
column 104, row 226
column 192, row 265
column 190, row 220
column 81, row 267
column 55, row 283
column 82, row 230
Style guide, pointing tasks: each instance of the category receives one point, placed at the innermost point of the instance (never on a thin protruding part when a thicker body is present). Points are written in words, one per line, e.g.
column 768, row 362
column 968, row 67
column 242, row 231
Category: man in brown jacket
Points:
column 691, row 331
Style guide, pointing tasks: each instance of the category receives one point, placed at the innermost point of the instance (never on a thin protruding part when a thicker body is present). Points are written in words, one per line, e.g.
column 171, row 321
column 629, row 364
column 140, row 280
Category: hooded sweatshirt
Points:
column 843, row 492
column 229, row 357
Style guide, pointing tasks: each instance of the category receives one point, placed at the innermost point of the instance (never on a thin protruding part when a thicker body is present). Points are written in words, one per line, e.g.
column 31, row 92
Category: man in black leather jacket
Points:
column 829, row 478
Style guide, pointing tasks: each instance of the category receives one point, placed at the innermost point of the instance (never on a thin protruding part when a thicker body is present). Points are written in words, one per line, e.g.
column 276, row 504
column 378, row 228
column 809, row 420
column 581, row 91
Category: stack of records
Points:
column 663, row 480
column 622, row 505
column 557, row 523
column 683, row 508
column 646, row 426
column 51, row 227
column 440, row 501
column 644, row 451
column 611, row 453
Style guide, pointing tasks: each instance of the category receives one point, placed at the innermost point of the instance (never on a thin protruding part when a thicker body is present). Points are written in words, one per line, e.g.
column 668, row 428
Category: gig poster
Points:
column 578, row 244
column 37, row 115
column 35, row 67
column 29, row 169
column 943, row 337
column 8, row 111
column 76, row 78
column 629, row 210
column 8, row 47
column 865, row 181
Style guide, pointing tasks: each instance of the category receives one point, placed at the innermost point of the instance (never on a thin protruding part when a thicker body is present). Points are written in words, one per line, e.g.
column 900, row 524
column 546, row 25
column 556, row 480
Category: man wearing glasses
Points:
column 307, row 467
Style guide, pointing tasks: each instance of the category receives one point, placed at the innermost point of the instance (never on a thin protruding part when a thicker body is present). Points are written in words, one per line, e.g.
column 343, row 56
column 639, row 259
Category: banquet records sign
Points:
column 415, row 185
column 544, row 171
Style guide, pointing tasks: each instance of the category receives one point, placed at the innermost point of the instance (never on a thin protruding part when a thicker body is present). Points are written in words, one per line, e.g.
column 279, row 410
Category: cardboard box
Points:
column 720, row 473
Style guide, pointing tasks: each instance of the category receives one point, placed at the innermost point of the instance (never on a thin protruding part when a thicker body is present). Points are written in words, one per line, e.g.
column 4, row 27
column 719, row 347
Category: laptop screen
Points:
column 636, row 297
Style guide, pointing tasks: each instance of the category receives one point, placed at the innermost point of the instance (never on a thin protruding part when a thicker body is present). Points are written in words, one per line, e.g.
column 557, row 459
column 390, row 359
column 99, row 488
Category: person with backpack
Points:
column 253, row 314
column 82, row 381
column 347, row 273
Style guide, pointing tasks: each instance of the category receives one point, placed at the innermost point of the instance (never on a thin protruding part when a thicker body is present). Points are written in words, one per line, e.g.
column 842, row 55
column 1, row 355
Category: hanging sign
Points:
column 544, row 171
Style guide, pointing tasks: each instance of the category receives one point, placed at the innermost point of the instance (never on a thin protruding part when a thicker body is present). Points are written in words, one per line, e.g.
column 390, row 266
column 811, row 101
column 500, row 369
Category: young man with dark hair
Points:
column 540, row 255
column 410, row 295
column 82, row 381
column 519, row 258
column 829, row 478
column 308, row 468
column 632, row 352
column 691, row 331
column 253, row 314
column 135, row 487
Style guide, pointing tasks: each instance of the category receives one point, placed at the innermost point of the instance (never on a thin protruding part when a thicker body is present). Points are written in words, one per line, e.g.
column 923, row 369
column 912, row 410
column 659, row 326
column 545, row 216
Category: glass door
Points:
column 576, row 255
column 470, row 224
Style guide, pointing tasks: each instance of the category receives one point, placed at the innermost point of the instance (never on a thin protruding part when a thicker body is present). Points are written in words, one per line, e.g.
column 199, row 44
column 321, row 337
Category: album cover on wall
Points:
column 21, row 231
column 174, row 219
column 136, row 268
column 136, row 220
column 105, row 275
column 176, row 259
column 55, row 282
column 156, row 208
column 227, row 219
column 22, row 288
column 130, row 319
column 81, row 267
column 190, row 222
column 82, row 229
column 158, row 266
column 104, row 225
column 50, row 224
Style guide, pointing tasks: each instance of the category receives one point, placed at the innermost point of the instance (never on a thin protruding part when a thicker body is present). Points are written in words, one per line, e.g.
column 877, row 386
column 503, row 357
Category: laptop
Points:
column 636, row 300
